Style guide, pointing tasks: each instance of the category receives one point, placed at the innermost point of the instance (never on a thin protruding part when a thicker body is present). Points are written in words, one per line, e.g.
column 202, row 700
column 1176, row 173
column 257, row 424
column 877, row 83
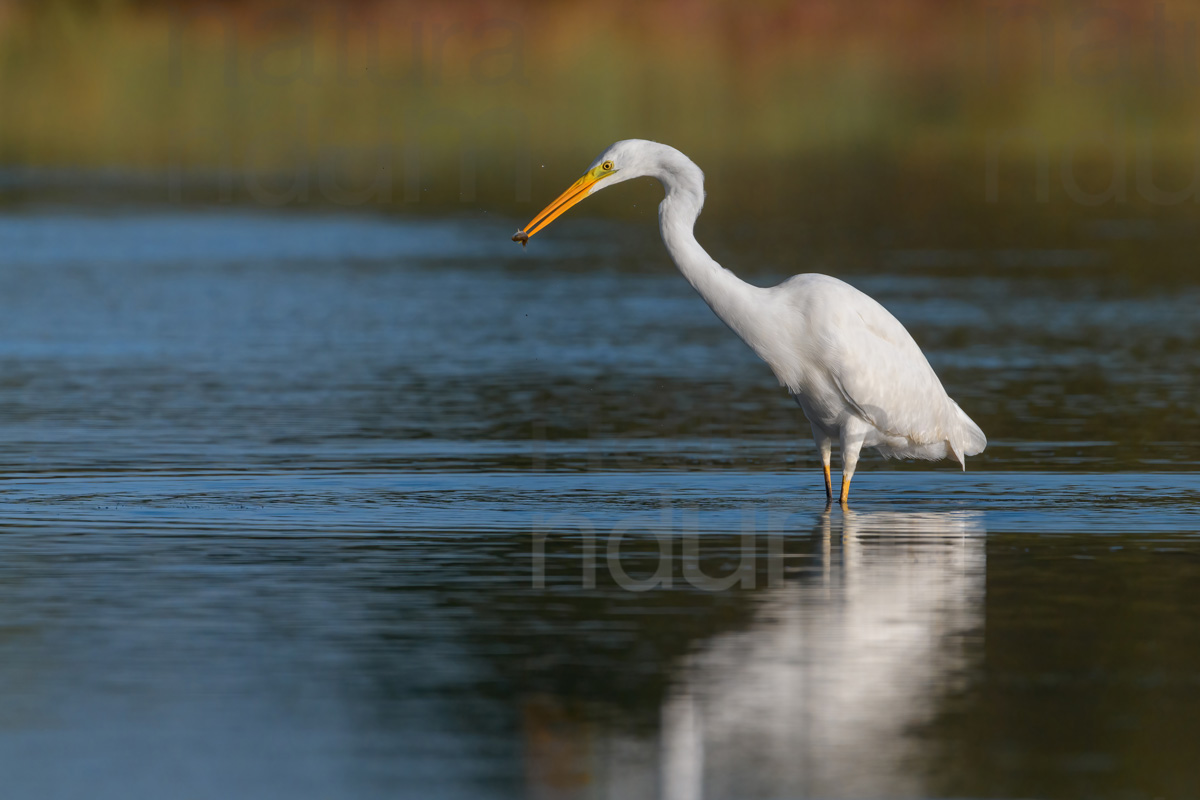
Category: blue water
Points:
column 321, row 506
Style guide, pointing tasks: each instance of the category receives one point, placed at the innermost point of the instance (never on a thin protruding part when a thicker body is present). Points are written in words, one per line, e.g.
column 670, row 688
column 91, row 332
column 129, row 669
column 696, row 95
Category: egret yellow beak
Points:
column 577, row 191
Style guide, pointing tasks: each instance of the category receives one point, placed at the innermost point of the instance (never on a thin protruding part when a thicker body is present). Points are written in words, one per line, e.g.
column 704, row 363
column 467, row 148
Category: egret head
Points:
column 630, row 158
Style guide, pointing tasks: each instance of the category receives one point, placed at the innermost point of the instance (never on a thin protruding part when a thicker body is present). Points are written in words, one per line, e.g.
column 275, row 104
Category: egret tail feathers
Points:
column 967, row 440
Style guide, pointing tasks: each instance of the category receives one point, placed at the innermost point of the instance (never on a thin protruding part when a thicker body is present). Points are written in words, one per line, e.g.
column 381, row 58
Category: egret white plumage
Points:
column 851, row 366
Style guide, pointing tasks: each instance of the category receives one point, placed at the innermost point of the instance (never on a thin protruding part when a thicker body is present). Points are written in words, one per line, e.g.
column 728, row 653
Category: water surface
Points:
column 321, row 506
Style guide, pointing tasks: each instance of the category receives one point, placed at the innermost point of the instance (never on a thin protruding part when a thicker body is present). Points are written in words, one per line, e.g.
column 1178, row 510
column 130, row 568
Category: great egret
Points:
column 850, row 365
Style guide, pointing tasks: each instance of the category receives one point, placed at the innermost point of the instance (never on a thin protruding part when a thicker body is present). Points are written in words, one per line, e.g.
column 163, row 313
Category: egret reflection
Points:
column 819, row 693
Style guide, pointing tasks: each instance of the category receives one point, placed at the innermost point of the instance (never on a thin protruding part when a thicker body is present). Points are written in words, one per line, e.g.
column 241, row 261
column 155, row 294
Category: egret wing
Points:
column 882, row 373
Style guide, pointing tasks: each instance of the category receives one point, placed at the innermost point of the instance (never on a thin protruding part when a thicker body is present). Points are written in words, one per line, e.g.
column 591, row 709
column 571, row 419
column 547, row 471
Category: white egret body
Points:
column 852, row 367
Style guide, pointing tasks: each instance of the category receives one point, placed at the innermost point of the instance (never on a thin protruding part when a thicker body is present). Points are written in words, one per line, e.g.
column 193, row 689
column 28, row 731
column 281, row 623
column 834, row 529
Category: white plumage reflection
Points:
column 851, row 366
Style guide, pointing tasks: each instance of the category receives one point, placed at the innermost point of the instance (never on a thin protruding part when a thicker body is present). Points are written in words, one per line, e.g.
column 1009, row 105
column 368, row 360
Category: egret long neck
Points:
column 737, row 303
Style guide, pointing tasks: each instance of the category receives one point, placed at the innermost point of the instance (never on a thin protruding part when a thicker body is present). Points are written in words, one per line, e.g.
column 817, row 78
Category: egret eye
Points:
column 606, row 166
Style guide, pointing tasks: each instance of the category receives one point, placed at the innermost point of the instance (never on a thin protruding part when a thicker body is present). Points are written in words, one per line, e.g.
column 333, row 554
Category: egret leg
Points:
column 825, row 446
column 851, row 446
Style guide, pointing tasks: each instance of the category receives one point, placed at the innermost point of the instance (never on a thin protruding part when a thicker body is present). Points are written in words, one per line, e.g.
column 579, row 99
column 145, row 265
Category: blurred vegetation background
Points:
column 822, row 126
